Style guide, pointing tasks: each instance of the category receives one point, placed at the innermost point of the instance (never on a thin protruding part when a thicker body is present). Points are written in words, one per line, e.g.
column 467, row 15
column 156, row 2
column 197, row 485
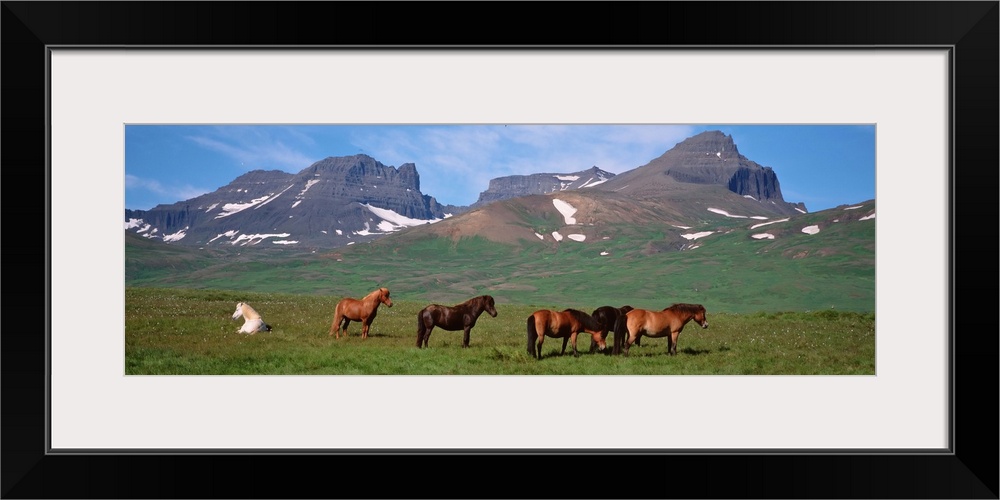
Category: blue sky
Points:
column 820, row 165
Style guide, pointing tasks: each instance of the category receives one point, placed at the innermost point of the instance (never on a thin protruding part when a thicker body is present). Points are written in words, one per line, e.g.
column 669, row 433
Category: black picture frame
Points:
column 969, row 28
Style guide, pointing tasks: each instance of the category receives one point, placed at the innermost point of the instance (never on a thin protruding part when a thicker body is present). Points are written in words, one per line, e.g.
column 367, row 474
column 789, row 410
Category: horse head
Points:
column 490, row 305
column 602, row 344
column 239, row 311
column 699, row 316
column 383, row 296
column 591, row 323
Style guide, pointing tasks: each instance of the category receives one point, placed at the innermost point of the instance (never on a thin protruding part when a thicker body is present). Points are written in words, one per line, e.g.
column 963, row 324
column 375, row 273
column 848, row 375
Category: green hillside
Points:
column 644, row 266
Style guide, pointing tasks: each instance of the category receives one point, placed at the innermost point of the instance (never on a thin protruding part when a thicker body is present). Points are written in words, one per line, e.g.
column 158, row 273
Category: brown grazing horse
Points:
column 362, row 310
column 460, row 317
column 565, row 324
column 666, row 323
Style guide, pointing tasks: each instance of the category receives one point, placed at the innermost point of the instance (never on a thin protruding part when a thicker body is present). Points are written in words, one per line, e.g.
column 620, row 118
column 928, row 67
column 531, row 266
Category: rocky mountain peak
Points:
column 712, row 141
column 333, row 202
column 514, row 186
column 708, row 158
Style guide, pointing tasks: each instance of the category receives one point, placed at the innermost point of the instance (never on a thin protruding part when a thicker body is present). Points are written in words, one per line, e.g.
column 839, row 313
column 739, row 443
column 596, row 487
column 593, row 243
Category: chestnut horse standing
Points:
column 460, row 317
column 608, row 316
column 564, row 324
column 362, row 310
column 666, row 323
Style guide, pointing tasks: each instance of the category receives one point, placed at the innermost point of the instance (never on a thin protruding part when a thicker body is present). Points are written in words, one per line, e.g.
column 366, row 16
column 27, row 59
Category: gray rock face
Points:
column 513, row 186
column 333, row 202
column 707, row 158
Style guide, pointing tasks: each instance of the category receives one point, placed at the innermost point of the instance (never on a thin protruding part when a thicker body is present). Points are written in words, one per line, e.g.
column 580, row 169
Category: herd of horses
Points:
column 628, row 324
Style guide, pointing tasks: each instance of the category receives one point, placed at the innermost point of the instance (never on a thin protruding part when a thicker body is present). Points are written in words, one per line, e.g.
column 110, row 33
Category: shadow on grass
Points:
column 663, row 352
column 696, row 352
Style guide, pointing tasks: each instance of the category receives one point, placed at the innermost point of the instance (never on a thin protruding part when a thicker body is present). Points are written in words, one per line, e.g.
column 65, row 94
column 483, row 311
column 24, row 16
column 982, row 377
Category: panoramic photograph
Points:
column 500, row 249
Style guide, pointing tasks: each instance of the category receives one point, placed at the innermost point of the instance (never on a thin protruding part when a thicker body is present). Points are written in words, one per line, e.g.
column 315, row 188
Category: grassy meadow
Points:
column 184, row 331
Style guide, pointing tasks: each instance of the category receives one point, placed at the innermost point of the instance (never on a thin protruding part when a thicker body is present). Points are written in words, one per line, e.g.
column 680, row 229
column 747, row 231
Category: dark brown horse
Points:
column 666, row 323
column 460, row 317
column 564, row 324
column 608, row 316
column 362, row 310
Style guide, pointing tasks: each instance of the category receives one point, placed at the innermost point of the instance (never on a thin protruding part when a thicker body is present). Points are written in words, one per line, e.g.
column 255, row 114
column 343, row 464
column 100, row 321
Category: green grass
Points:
column 730, row 272
column 178, row 331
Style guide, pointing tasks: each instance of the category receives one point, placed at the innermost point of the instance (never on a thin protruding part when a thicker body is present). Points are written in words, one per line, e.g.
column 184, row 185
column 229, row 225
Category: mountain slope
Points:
column 340, row 201
column 333, row 202
column 707, row 159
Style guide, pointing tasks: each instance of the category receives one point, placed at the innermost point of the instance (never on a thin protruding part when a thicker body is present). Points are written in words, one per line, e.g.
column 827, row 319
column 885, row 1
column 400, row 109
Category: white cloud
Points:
column 456, row 163
column 174, row 192
column 253, row 150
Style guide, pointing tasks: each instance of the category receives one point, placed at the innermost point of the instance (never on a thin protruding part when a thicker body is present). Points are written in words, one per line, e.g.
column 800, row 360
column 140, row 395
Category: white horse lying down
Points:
column 253, row 323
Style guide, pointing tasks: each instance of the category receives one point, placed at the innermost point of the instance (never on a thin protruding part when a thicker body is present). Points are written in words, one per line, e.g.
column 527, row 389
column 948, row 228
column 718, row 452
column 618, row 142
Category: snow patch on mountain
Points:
column 566, row 210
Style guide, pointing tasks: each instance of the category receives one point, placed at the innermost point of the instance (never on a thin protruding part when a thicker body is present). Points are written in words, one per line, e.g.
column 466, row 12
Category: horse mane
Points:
column 375, row 293
column 687, row 308
column 248, row 311
column 582, row 317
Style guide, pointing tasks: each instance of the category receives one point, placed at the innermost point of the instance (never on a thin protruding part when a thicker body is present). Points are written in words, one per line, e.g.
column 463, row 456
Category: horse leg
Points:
column 532, row 337
column 565, row 341
column 673, row 342
column 421, row 329
column 620, row 333
column 427, row 335
column 344, row 323
column 538, row 346
column 628, row 341
column 573, row 338
column 465, row 339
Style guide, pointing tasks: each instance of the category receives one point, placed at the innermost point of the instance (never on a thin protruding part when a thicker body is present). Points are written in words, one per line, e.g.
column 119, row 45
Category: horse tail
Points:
column 532, row 335
column 336, row 319
column 620, row 331
column 421, row 329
